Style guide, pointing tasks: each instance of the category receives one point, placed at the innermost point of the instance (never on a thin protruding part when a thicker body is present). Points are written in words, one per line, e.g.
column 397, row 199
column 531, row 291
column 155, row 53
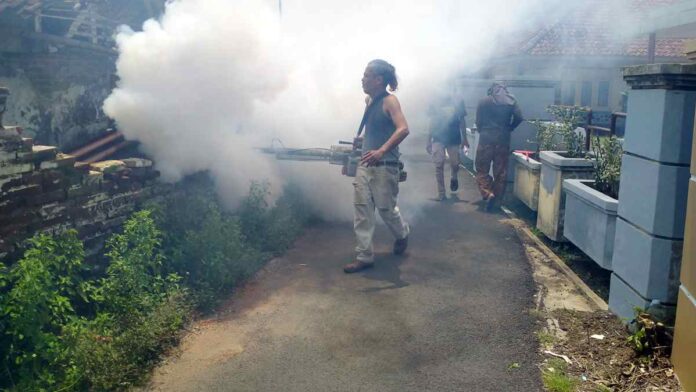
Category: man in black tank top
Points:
column 376, row 183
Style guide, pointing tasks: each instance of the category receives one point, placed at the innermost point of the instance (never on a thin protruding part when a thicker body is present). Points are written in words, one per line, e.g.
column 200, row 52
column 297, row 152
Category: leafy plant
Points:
column 45, row 287
column 606, row 157
column 560, row 134
column 212, row 249
column 62, row 331
column 649, row 335
column 134, row 281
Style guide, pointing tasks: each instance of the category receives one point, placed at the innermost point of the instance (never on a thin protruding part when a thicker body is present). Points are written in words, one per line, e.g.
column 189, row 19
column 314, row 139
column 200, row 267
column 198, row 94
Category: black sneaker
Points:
column 400, row 246
column 454, row 184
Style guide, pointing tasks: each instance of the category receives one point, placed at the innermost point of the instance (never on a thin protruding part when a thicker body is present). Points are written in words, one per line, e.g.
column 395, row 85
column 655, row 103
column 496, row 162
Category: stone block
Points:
column 8, row 156
column 11, row 144
column 38, row 154
column 47, row 197
column 52, row 180
column 75, row 191
column 108, row 167
column 27, row 144
column 82, row 167
column 52, row 210
column 649, row 264
column 653, row 196
column 590, row 221
column 11, row 133
column 9, row 205
column 554, row 169
column 11, row 169
column 684, row 348
column 61, row 161
column 623, row 299
column 660, row 125
column 527, row 177
column 688, row 268
column 19, row 217
column 137, row 162
column 23, row 191
column 93, row 177
column 8, row 184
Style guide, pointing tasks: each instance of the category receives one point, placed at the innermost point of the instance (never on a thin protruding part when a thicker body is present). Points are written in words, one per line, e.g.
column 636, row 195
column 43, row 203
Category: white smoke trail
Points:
column 212, row 79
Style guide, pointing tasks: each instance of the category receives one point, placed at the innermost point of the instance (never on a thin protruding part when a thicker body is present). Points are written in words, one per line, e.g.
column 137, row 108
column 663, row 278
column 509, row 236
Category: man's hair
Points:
column 386, row 71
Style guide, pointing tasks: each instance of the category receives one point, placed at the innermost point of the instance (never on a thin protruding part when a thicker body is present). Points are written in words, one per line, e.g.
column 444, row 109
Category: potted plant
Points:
column 591, row 205
column 527, row 169
column 557, row 166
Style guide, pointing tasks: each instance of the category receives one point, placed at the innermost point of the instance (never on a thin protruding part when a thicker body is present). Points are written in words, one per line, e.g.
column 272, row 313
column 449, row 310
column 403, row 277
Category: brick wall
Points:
column 43, row 190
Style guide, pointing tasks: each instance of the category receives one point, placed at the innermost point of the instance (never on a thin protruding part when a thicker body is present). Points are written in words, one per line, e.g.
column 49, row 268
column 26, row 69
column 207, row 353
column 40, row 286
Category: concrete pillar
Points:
column 654, row 185
column 684, row 352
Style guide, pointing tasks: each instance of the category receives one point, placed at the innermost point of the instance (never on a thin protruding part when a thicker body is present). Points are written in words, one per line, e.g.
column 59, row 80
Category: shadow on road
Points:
column 386, row 270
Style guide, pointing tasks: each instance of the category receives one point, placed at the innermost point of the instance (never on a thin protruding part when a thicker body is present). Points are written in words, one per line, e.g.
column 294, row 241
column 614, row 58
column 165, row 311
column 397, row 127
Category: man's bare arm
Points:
column 393, row 109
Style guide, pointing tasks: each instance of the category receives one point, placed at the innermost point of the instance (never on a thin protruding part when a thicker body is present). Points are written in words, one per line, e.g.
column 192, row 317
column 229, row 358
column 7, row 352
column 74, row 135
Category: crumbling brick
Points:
column 42, row 190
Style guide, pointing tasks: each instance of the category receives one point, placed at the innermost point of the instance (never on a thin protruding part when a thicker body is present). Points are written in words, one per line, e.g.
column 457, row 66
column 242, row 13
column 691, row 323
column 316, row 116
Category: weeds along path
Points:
column 450, row 315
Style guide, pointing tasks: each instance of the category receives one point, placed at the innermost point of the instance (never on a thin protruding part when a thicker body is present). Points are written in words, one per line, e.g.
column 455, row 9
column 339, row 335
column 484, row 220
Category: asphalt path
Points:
column 450, row 315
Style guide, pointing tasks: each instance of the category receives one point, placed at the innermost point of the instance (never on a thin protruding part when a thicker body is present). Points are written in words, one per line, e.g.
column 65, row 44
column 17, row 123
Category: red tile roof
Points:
column 590, row 30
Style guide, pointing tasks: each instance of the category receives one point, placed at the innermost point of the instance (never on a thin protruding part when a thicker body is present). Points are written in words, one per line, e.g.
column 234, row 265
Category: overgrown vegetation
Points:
column 560, row 134
column 606, row 157
column 650, row 337
column 63, row 328
column 555, row 378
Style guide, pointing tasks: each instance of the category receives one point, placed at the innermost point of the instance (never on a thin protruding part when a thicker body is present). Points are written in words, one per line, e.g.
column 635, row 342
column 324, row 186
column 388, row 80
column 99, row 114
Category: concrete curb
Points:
column 579, row 284
column 523, row 229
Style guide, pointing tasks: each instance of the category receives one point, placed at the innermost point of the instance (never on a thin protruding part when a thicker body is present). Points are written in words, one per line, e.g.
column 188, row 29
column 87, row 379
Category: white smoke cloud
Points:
column 212, row 79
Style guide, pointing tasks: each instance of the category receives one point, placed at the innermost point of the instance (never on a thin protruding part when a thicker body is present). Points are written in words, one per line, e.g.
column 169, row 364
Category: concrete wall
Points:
column 654, row 181
column 684, row 352
column 57, row 90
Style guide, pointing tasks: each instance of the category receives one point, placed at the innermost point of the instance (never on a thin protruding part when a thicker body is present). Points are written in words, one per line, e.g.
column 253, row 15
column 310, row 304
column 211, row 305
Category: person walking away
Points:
column 445, row 139
column 497, row 115
column 376, row 183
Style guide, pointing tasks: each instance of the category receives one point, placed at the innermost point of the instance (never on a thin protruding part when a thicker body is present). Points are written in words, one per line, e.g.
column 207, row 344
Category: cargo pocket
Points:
column 386, row 187
column 361, row 193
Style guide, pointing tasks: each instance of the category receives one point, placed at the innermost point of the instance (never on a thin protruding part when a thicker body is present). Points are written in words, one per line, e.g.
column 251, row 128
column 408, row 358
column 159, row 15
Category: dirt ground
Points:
column 595, row 342
column 609, row 363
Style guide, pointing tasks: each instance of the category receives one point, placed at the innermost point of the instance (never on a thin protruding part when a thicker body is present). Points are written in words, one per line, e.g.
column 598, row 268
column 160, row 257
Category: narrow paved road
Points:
column 451, row 315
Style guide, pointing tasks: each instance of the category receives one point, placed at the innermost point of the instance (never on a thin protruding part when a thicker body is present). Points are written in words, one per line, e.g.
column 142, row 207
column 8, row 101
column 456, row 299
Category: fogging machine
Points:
column 345, row 153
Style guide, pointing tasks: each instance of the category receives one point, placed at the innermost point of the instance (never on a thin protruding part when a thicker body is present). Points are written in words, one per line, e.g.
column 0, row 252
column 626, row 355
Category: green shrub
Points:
column 213, row 250
column 606, row 158
column 111, row 356
column 45, row 286
column 560, row 134
column 134, row 281
column 141, row 311
column 60, row 331
column 272, row 229
column 126, row 318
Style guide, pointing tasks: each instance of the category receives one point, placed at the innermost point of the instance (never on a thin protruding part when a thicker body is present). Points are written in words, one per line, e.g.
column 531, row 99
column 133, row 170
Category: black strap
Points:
column 368, row 111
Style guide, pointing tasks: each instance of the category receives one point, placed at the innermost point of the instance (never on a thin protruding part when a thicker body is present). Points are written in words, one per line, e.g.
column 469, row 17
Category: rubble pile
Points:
column 43, row 190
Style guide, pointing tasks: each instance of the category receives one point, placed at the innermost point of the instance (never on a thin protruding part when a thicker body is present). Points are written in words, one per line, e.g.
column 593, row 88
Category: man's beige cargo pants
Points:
column 376, row 186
